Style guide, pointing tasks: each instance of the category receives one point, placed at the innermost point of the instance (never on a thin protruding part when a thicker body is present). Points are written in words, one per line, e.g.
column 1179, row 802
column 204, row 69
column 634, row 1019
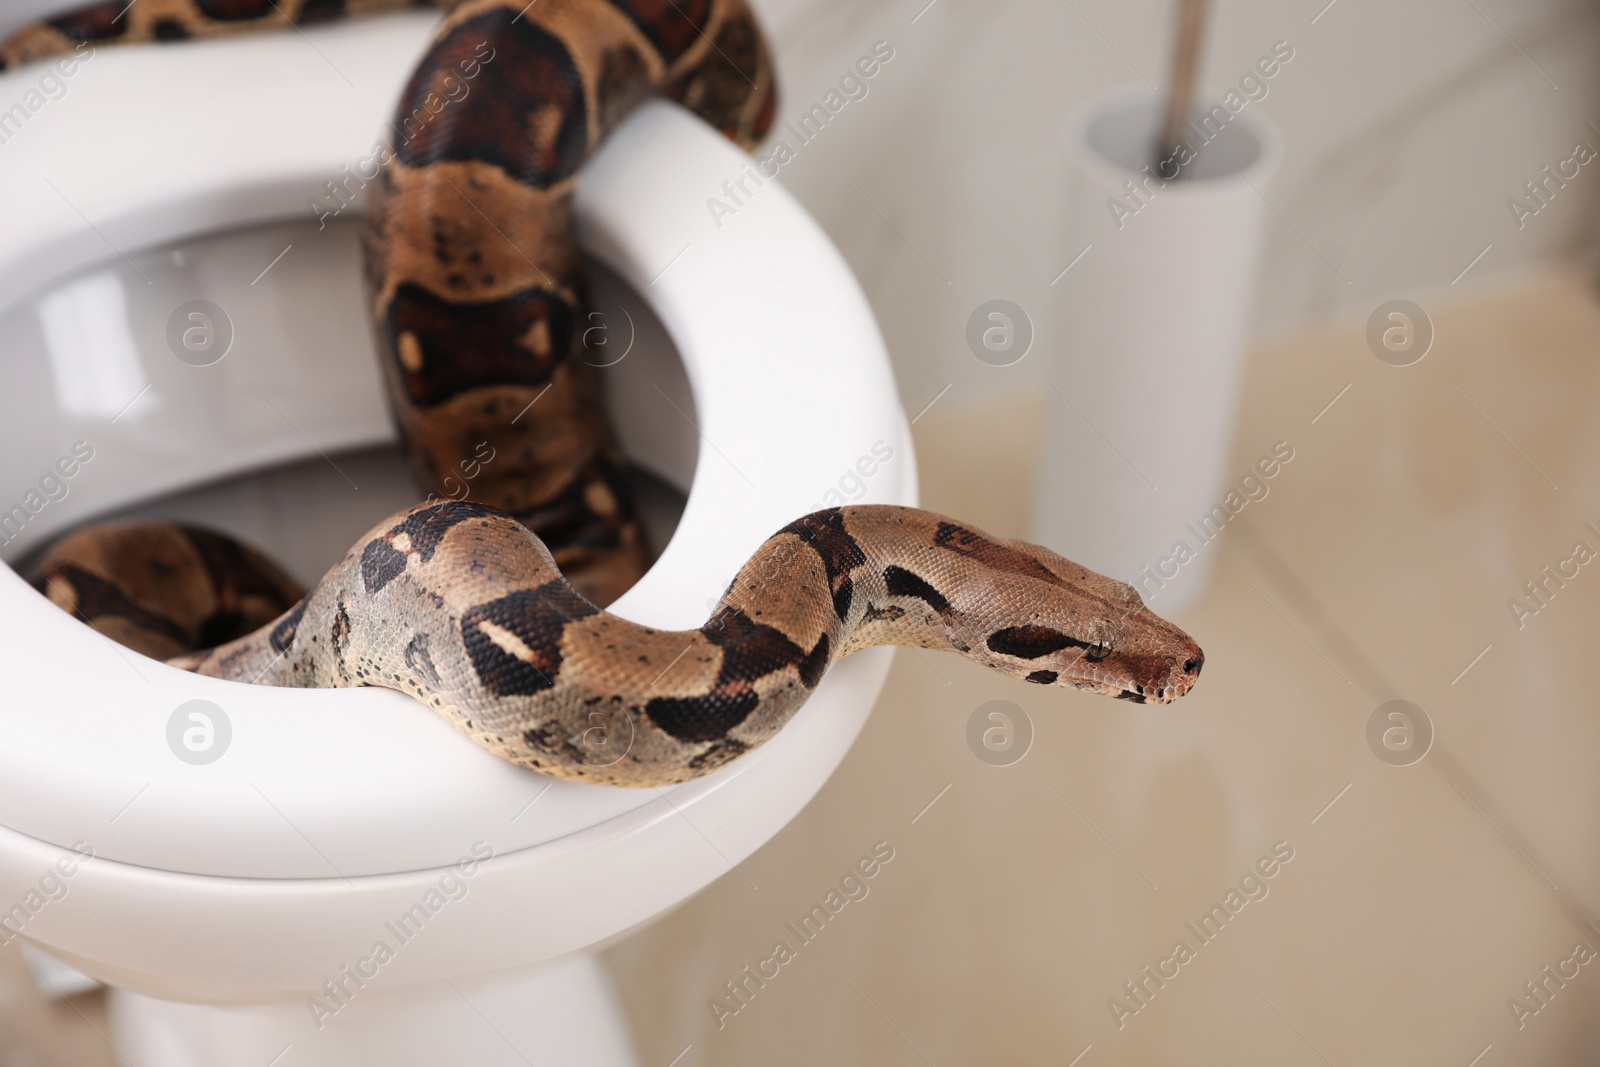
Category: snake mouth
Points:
column 1152, row 694
column 1176, row 681
column 1140, row 678
column 1134, row 694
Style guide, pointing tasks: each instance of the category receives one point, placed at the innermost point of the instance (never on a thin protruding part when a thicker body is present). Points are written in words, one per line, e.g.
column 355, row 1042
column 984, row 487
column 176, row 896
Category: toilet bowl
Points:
column 231, row 893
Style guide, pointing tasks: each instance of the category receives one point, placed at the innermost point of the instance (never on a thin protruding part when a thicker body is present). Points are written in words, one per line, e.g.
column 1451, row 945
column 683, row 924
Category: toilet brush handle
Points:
column 1185, row 67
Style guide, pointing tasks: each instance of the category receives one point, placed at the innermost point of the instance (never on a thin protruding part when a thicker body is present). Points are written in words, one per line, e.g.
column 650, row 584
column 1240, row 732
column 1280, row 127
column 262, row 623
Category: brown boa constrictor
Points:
column 476, row 285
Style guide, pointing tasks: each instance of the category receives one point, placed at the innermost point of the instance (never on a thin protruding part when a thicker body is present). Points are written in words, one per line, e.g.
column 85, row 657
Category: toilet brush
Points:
column 1180, row 91
column 1162, row 256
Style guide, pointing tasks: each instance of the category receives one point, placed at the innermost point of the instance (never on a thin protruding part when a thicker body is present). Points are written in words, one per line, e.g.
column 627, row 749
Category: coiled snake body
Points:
column 487, row 611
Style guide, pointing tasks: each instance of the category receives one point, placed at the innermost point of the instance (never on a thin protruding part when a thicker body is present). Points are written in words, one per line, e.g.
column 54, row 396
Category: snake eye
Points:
column 1098, row 651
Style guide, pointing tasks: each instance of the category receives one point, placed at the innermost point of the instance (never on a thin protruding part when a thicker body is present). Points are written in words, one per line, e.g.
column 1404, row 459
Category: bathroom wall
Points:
column 1407, row 125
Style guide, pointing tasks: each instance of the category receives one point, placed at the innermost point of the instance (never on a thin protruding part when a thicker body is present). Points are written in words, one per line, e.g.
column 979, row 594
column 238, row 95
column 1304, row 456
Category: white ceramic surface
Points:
column 562, row 1014
column 257, row 876
column 1146, row 386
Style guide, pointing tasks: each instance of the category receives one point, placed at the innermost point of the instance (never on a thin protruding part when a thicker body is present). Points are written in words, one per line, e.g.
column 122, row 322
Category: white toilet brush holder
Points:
column 1145, row 384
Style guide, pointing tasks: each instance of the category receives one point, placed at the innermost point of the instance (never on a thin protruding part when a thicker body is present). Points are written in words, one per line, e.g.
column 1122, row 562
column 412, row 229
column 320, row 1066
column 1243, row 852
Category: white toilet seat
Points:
column 257, row 876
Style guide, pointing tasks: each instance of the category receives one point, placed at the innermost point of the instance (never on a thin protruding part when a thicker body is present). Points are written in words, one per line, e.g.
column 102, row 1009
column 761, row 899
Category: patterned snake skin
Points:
column 487, row 611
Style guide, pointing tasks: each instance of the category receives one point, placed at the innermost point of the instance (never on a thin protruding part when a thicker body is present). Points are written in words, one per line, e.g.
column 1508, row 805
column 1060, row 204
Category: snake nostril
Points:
column 1192, row 666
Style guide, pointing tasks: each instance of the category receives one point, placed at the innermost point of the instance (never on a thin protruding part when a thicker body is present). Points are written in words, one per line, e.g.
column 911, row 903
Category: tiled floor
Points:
column 1414, row 907
column 1417, row 899
column 36, row 1031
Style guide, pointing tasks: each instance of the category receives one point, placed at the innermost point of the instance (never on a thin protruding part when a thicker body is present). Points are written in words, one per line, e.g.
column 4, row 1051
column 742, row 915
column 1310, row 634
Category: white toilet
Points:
column 236, row 906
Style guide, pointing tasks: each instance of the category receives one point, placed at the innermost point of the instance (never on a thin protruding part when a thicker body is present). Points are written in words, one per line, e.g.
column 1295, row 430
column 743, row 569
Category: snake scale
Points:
column 490, row 611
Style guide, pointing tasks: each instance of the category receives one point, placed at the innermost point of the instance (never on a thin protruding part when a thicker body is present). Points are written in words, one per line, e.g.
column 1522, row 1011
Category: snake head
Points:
column 1053, row 622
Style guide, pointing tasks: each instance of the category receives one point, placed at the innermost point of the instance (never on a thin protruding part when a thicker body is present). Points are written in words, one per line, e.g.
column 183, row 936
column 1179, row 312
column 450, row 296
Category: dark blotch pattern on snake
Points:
column 490, row 612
